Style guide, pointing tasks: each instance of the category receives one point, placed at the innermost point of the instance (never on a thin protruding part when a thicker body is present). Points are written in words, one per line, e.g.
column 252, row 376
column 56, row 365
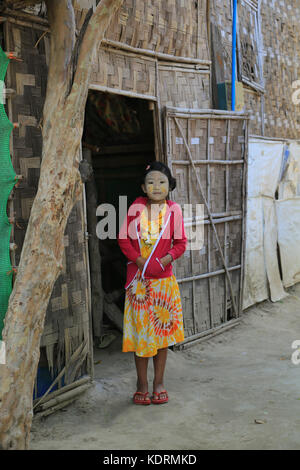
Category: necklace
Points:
column 150, row 228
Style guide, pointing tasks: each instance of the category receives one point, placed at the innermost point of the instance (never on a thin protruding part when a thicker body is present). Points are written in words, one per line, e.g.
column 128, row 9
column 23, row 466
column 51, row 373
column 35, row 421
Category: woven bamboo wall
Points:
column 280, row 28
column 184, row 86
column 253, row 102
column 124, row 71
column 67, row 321
column 206, row 301
column 173, row 27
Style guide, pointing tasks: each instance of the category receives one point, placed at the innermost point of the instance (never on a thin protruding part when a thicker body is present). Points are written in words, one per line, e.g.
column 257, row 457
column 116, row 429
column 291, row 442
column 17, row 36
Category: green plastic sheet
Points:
column 7, row 181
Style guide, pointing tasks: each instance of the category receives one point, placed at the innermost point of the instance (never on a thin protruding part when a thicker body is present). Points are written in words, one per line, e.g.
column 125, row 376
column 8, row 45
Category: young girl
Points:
column 152, row 236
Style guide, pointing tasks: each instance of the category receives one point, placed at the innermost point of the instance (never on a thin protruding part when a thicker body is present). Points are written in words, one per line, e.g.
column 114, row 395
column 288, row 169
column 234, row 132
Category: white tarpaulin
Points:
column 289, row 186
column 261, row 262
column 288, row 216
column 256, row 287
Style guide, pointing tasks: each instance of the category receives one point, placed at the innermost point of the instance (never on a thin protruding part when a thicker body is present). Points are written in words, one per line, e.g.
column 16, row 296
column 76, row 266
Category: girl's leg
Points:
column 141, row 364
column 159, row 362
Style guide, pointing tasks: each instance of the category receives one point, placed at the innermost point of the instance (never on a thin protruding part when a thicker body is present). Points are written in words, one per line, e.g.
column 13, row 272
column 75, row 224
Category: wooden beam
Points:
column 19, row 4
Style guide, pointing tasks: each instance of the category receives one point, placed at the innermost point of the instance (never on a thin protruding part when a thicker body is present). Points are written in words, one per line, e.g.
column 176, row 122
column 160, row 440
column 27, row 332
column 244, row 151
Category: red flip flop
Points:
column 145, row 401
column 158, row 400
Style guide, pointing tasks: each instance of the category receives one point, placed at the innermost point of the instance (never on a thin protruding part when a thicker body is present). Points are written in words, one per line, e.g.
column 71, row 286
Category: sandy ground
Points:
column 217, row 390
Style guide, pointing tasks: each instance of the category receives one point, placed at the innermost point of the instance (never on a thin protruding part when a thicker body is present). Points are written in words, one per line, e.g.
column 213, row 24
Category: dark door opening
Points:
column 119, row 138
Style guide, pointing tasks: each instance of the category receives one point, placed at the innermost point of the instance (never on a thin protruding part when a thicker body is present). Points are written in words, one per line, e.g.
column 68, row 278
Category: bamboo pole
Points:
column 191, row 251
column 208, row 228
column 227, row 151
column 206, row 275
column 131, row 94
column 27, row 17
column 11, row 201
column 210, row 217
column 62, row 390
column 71, row 394
column 49, row 411
column 190, row 115
column 204, row 113
column 211, row 162
column 90, row 361
column 271, row 139
column 29, row 23
column 94, row 252
column 195, row 339
column 157, row 117
column 195, row 68
column 113, row 312
column 256, row 87
column 216, row 215
column 215, row 221
column 244, row 210
column 74, row 356
column 158, row 55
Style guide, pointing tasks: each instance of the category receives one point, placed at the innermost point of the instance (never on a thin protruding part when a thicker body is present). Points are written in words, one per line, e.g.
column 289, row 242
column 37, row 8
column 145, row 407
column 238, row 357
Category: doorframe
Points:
column 159, row 156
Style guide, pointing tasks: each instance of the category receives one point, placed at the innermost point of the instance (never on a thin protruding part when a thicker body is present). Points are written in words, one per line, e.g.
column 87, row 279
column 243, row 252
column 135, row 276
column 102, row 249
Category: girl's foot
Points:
column 160, row 395
column 140, row 398
column 141, row 395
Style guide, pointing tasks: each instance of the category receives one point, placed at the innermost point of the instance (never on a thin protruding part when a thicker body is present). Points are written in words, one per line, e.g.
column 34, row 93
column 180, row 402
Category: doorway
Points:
column 118, row 141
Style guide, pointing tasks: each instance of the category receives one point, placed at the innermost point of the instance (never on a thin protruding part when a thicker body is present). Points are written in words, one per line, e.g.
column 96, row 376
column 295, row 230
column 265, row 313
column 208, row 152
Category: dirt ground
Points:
column 218, row 390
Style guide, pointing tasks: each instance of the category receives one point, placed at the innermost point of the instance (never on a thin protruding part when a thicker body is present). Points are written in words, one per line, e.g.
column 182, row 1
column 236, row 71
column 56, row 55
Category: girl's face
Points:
column 156, row 185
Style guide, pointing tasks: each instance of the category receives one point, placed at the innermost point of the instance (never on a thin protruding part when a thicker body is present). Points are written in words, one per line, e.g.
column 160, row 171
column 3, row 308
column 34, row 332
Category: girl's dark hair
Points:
column 159, row 166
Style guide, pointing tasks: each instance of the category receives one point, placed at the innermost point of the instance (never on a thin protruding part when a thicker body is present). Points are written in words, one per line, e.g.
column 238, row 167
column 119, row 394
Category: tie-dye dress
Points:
column 152, row 313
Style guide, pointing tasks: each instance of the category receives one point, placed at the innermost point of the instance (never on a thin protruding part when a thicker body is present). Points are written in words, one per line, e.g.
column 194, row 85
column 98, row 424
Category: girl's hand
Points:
column 166, row 260
column 140, row 261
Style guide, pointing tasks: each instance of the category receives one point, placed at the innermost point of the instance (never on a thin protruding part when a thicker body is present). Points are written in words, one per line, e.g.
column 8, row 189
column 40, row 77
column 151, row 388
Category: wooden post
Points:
column 226, row 209
column 208, row 228
column 94, row 252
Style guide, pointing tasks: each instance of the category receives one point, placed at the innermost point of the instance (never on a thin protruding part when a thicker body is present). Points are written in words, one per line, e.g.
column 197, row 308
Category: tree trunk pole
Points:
column 59, row 187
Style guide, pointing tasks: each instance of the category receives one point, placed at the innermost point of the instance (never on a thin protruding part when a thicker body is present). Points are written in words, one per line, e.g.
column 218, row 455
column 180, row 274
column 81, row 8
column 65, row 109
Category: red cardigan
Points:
column 129, row 240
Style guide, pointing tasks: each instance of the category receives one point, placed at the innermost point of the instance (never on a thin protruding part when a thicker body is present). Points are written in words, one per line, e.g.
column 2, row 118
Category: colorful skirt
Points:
column 152, row 315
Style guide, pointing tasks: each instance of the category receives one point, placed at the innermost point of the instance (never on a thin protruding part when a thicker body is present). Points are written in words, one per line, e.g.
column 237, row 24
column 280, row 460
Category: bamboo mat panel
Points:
column 173, row 27
column 186, row 88
column 68, row 305
column 124, row 71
